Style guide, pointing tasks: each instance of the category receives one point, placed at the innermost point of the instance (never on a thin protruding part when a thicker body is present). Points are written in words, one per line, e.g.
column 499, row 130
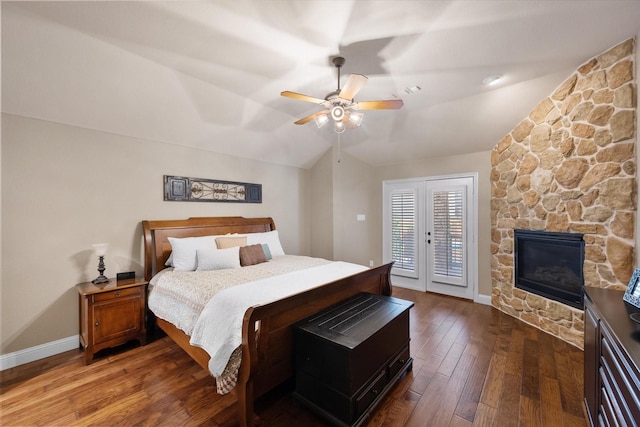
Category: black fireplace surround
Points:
column 549, row 264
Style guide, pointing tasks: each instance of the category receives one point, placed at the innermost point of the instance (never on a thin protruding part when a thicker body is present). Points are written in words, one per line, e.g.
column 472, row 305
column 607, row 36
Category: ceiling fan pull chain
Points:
column 339, row 148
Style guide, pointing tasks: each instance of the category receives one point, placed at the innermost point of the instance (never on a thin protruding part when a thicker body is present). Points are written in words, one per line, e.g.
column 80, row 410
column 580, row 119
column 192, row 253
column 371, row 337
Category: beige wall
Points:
column 99, row 186
column 354, row 193
column 65, row 188
column 476, row 162
column 342, row 188
column 321, row 211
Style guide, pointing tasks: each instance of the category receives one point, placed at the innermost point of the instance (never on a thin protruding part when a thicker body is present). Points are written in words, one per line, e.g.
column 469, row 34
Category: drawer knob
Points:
column 117, row 293
column 97, row 323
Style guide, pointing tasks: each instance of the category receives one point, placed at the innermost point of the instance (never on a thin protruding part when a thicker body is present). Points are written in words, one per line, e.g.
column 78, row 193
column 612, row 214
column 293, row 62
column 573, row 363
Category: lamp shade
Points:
column 100, row 248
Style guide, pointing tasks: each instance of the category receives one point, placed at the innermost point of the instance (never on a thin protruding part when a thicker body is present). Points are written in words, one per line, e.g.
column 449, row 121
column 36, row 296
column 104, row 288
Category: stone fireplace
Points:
column 570, row 167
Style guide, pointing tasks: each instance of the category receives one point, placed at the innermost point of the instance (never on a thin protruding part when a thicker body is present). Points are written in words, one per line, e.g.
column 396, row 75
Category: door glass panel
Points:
column 403, row 230
column 448, row 233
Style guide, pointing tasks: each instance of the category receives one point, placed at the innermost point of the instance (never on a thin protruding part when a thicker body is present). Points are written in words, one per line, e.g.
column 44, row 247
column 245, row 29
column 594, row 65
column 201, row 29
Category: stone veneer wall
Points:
column 570, row 167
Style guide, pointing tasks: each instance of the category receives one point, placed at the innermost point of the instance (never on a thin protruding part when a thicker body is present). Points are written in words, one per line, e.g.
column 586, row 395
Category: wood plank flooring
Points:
column 473, row 366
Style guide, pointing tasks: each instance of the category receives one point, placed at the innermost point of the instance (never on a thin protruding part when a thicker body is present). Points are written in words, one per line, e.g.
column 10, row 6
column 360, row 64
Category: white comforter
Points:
column 218, row 329
column 180, row 296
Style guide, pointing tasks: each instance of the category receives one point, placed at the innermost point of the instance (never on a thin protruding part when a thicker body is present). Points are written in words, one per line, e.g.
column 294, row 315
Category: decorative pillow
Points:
column 251, row 255
column 217, row 259
column 270, row 238
column 267, row 252
column 231, row 241
column 183, row 251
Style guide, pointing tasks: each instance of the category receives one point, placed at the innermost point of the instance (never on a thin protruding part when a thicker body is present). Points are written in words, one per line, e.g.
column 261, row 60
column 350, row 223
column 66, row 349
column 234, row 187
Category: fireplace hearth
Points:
column 549, row 264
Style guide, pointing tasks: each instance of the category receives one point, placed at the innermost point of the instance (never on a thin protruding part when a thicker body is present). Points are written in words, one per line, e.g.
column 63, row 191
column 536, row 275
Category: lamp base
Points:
column 100, row 279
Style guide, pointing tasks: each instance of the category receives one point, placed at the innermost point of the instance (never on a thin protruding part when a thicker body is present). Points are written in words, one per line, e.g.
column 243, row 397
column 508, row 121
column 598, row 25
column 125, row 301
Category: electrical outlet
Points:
column 371, row 263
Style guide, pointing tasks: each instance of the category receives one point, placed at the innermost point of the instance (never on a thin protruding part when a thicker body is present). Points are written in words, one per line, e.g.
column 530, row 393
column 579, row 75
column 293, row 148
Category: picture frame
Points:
column 632, row 294
column 186, row 189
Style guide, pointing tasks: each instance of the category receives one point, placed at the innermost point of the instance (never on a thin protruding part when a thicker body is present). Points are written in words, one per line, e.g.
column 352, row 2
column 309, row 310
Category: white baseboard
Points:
column 480, row 299
column 483, row 299
column 38, row 352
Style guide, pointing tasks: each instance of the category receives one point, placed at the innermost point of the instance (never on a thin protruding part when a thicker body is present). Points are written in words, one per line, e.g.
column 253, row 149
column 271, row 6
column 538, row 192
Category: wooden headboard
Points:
column 156, row 233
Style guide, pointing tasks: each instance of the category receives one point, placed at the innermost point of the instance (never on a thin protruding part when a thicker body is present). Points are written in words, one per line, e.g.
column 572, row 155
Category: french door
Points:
column 429, row 232
column 449, row 233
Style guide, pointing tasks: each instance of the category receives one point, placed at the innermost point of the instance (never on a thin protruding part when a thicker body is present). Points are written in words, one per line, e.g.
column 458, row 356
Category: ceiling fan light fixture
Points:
column 340, row 104
column 322, row 120
column 356, row 118
column 337, row 113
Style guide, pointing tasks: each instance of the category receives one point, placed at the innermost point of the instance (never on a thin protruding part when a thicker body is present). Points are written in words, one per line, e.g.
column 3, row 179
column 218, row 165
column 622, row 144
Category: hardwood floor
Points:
column 473, row 366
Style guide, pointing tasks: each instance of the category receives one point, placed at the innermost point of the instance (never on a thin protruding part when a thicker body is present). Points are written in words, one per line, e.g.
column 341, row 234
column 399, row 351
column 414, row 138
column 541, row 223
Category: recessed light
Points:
column 492, row 80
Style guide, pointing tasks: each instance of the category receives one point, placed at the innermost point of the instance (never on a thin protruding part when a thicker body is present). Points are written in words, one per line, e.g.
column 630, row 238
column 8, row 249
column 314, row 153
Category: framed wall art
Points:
column 632, row 294
column 184, row 189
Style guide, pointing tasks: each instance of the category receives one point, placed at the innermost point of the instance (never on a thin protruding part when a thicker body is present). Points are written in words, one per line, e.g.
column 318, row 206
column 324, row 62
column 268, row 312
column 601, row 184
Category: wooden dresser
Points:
column 350, row 355
column 611, row 359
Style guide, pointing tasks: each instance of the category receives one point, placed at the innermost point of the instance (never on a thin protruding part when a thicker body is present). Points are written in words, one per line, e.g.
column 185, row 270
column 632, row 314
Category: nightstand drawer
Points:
column 117, row 293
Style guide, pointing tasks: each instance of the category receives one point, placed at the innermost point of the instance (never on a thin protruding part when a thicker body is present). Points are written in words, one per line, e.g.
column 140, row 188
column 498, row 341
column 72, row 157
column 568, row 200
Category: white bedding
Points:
column 218, row 329
column 210, row 305
column 180, row 296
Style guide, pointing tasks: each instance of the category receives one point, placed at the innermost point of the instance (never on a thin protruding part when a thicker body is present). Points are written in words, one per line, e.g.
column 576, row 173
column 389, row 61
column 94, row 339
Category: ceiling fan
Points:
column 340, row 105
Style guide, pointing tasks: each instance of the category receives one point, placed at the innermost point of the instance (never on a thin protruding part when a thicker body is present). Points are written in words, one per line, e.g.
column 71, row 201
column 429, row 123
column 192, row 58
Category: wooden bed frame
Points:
column 267, row 351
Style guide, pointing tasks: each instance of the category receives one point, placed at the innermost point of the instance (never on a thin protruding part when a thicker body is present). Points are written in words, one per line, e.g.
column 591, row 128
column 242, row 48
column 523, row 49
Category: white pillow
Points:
column 270, row 238
column 169, row 261
column 183, row 251
column 218, row 259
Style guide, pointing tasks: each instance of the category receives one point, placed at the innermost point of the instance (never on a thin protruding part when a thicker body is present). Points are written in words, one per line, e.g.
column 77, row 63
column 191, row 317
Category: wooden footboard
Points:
column 267, row 351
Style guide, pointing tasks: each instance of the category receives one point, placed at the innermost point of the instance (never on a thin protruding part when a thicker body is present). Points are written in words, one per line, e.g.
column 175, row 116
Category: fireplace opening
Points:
column 549, row 264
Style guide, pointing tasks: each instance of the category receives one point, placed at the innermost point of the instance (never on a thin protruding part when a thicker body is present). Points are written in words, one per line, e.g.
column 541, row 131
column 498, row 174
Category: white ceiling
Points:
column 209, row 74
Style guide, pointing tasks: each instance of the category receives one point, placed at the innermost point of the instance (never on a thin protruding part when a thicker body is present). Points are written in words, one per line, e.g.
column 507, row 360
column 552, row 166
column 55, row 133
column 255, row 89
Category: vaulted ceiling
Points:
column 209, row 74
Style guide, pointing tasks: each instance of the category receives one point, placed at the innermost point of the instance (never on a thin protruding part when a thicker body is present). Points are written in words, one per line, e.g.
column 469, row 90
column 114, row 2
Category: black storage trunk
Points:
column 348, row 356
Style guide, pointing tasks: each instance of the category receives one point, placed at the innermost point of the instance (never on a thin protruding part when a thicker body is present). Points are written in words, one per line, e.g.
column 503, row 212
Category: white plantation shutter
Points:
column 429, row 233
column 404, row 229
column 448, row 236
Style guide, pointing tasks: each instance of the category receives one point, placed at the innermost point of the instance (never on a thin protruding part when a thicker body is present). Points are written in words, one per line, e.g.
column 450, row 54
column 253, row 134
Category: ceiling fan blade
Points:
column 392, row 104
column 353, row 85
column 311, row 117
column 302, row 97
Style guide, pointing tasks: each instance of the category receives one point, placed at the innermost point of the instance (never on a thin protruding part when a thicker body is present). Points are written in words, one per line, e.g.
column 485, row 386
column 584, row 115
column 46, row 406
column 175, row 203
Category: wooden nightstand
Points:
column 111, row 314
